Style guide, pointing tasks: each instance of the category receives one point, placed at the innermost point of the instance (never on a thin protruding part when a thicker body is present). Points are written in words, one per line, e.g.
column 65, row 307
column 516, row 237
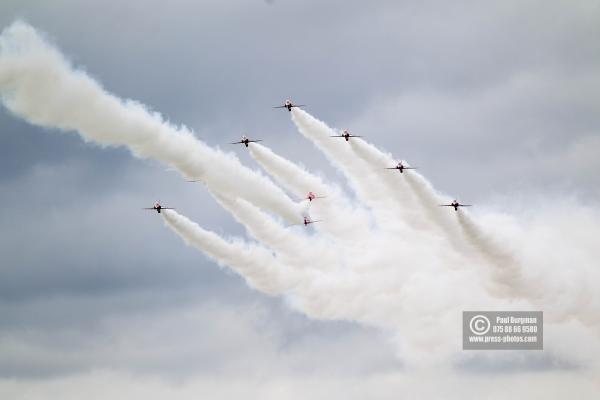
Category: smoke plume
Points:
column 392, row 258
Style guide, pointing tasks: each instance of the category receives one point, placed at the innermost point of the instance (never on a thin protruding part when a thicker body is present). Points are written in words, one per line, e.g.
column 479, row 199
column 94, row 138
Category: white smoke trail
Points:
column 256, row 264
column 291, row 176
column 430, row 201
column 412, row 193
column 366, row 179
column 396, row 185
column 506, row 272
column 362, row 177
column 392, row 207
column 335, row 207
column 319, row 133
column 40, row 85
column 289, row 244
column 261, row 269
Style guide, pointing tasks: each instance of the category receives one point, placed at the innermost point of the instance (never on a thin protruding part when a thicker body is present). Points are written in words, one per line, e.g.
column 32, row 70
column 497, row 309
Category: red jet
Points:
column 289, row 105
column 311, row 196
column 346, row 135
column 400, row 167
column 455, row 204
column 245, row 140
column 158, row 207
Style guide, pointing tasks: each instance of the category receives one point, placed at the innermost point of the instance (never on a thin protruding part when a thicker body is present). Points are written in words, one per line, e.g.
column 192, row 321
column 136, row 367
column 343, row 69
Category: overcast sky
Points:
column 491, row 100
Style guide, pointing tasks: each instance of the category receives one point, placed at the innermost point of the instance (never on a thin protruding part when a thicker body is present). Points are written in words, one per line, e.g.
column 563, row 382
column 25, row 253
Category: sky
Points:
column 496, row 103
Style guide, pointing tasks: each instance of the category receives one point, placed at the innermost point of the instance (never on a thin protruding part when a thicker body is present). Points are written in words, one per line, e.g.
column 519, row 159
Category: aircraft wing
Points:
column 392, row 168
column 345, row 136
column 254, row 141
column 167, row 208
column 302, row 223
column 298, row 105
column 280, row 107
column 465, row 205
column 316, row 197
column 446, row 205
column 237, row 142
